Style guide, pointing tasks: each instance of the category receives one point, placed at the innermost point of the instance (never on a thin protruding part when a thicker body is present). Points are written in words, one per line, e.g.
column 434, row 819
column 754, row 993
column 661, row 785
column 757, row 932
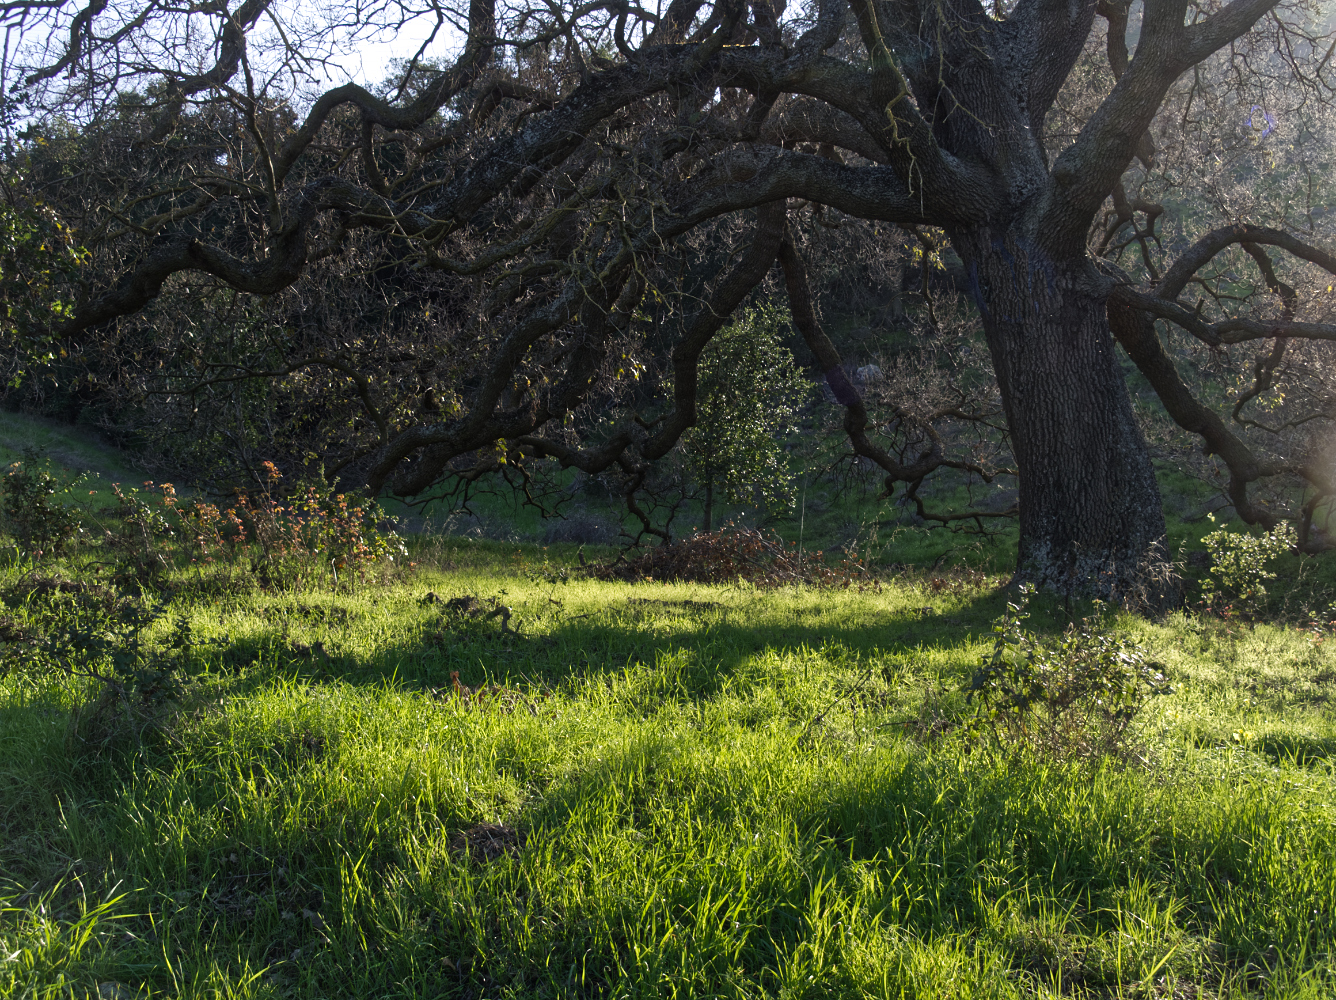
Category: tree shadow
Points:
column 1302, row 751
column 710, row 640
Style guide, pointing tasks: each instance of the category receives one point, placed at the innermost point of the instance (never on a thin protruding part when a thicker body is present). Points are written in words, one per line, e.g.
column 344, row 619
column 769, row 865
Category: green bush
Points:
column 1238, row 566
column 37, row 513
column 1072, row 698
column 99, row 634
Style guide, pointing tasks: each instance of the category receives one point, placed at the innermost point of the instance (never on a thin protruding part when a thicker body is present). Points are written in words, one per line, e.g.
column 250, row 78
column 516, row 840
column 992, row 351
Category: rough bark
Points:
column 1090, row 512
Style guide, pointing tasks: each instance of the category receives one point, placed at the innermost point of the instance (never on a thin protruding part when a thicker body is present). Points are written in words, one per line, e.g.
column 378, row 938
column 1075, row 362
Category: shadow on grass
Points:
column 712, row 640
column 1302, row 751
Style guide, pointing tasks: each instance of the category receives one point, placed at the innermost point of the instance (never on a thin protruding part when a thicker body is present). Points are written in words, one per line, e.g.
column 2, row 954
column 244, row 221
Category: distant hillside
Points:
column 69, row 449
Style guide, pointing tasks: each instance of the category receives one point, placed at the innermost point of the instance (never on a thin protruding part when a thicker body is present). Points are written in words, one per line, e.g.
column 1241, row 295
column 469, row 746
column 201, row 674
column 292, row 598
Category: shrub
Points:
column 36, row 510
column 310, row 538
column 314, row 534
column 87, row 632
column 1072, row 698
column 736, row 553
column 1238, row 566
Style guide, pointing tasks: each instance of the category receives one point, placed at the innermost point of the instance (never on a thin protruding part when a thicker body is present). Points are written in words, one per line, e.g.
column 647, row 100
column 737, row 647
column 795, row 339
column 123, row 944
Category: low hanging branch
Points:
column 1132, row 314
column 463, row 265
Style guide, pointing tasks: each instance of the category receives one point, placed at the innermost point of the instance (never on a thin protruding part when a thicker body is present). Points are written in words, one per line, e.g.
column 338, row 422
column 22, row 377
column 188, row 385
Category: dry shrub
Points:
column 959, row 581
column 313, row 537
column 735, row 553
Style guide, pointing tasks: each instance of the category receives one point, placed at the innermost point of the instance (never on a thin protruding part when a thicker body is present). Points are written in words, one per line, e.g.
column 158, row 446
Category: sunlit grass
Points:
column 712, row 791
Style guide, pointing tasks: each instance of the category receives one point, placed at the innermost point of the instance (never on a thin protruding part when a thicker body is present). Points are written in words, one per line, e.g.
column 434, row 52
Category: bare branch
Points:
column 1087, row 170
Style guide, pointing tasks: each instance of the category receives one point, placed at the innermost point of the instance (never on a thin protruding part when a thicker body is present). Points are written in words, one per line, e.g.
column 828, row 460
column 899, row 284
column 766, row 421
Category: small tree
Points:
column 751, row 390
column 35, row 506
column 38, row 254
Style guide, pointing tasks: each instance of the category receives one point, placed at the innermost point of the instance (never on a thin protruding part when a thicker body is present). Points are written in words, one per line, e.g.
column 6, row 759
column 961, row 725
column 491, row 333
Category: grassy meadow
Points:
column 650, row 790
column 488, row 776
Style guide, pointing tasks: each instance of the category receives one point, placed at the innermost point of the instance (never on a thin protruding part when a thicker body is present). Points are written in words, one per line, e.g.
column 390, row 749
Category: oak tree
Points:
column 555, row 182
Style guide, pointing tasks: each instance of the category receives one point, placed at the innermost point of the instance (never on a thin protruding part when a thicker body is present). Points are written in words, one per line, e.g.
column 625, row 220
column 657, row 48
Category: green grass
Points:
column 68, row 449
column 720, row 792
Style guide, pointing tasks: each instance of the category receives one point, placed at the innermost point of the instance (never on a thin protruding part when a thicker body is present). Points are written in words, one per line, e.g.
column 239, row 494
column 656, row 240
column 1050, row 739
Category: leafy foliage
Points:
column 38, row 255
column 105, row 644
column 751, row 391
column 103, row 638
column 1072, row 698
column 36, row 506
column 1238, row 565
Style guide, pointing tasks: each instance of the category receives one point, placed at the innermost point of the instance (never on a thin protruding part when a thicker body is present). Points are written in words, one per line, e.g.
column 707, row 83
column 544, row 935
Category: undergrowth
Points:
column 306, row 537
column 1073, row 697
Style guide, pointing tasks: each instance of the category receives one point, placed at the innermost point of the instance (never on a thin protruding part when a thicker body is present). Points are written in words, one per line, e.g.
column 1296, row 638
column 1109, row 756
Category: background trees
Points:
column 751, row 394
column 437, row 278
column 38, row 259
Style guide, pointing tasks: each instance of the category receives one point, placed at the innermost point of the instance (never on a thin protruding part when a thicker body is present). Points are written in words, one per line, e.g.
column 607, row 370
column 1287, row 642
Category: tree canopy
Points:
column 466, row 253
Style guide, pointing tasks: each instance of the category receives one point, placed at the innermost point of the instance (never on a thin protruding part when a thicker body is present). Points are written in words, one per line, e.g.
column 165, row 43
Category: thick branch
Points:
column 1229, row 331
column 1087, row 170
column 749, row 176
column 475, row 57
column 80, row 28
column 1135, row 330
column 828, row 359
column 1051, row 34
column 1204, row 249
column 231, row 51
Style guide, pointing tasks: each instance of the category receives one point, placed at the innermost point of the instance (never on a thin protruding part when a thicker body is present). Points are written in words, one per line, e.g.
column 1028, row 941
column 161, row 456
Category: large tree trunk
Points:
column 1091, row 521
